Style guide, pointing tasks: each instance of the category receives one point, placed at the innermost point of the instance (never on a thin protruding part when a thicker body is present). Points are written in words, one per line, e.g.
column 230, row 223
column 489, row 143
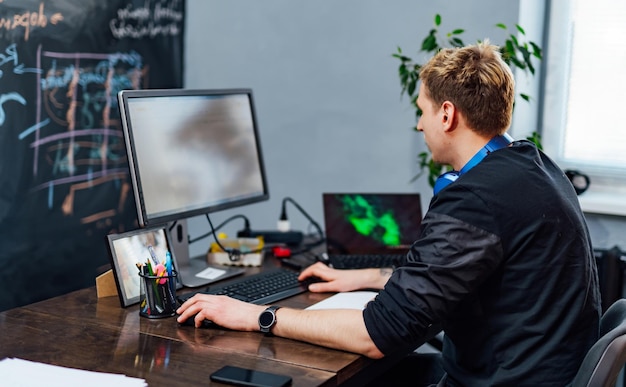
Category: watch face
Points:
column 266, row 319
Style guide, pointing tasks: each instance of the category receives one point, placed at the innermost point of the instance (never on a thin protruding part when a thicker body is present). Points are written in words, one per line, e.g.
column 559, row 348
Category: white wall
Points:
column 326, row 90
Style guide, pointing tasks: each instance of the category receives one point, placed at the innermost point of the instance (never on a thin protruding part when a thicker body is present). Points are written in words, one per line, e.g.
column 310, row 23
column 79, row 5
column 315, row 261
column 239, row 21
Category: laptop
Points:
column 370, row 229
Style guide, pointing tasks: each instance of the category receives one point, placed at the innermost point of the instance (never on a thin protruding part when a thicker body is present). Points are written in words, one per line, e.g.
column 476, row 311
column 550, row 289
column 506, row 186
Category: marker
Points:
column 170, row 270
column 168, row 263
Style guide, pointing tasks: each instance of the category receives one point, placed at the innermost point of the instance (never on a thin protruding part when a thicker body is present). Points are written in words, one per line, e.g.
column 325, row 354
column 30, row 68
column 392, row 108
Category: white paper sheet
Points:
column 25, row 373
column 345, row 300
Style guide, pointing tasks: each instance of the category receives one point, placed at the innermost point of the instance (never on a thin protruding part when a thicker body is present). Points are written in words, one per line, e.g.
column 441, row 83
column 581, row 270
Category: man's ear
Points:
column 448, row 115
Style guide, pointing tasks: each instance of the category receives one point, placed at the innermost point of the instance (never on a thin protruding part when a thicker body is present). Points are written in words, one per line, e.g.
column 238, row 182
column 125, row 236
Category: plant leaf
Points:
column 437, row 20
column 456, row 42
column 509, row 48
column 430, row 42
column 536, row 50
column 411, row 87
column 516, row 62
column 401, row 57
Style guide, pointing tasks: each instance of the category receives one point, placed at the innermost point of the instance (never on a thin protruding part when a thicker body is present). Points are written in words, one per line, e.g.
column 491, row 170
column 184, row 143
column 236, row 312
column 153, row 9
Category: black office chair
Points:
column 607, row 356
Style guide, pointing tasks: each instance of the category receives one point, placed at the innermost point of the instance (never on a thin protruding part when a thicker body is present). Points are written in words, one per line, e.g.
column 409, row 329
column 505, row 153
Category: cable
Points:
column 233, row 254
column 212, row 232
column 283, row 224
column 283, row 215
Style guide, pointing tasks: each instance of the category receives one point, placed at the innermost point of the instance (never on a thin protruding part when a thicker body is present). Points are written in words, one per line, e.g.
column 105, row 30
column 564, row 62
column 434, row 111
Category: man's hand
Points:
column 222, row 310
column 335, row 280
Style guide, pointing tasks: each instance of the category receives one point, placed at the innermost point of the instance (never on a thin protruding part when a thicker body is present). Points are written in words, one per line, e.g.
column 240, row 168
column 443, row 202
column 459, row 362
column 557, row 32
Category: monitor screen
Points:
column 191, row 152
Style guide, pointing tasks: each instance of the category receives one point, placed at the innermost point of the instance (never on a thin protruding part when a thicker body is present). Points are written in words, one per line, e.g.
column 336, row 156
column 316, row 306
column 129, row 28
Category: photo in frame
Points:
column 128, row 249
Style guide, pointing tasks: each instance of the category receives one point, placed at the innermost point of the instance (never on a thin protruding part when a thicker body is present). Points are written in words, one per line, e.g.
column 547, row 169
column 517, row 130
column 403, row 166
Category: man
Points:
column 504, row 263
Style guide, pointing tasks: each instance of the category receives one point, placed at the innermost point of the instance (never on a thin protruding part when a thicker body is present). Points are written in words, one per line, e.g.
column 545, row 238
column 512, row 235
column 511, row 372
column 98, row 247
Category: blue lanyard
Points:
column 494, row 144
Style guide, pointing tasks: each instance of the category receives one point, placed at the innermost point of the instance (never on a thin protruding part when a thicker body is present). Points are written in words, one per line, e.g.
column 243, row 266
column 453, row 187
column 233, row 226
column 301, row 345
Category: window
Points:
column 585, row 75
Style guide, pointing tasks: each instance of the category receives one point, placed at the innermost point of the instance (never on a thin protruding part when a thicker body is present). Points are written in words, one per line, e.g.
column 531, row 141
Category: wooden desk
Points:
column 79, row 330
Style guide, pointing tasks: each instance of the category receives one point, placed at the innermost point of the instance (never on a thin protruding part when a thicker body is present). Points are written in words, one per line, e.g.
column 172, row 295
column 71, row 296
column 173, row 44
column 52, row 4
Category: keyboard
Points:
column 262, row 288
column 362, row 261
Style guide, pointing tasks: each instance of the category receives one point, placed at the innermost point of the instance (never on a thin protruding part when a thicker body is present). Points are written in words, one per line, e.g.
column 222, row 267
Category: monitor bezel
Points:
column 144, row 218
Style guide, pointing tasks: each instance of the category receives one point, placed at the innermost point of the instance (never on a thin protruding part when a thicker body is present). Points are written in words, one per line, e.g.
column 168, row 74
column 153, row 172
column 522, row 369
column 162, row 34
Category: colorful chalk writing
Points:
column 28, row 20
column 63, row 167
column 146, row 21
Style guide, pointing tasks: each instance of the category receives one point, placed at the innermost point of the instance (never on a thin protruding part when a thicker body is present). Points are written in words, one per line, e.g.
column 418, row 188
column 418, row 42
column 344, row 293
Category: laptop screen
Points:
column 371, row 223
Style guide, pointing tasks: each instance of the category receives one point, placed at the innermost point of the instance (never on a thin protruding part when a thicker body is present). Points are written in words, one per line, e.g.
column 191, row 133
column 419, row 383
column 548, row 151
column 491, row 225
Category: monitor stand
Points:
column 196, row 271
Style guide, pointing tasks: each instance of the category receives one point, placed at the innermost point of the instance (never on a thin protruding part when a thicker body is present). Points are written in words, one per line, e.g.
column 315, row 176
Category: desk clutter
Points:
column 236, row 251
column 157, row 297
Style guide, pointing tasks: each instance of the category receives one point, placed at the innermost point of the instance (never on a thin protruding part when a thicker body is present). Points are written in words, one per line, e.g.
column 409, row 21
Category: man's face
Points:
column 430, row 123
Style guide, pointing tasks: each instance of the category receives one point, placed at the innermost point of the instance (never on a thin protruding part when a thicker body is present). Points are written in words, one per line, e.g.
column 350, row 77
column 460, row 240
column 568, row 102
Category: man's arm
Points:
column 342, row 329
column 337, row 328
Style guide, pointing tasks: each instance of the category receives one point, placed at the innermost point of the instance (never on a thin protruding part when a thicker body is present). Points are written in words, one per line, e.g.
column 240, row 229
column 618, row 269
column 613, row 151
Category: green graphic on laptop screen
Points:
column 371, row 223
column 370, row 220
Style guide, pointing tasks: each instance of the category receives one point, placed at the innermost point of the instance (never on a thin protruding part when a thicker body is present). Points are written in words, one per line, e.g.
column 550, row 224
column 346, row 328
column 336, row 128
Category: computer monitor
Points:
column 191, row 152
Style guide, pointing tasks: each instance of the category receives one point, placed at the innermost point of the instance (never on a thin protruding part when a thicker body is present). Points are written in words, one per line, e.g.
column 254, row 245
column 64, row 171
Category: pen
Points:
column 169, row 265
column 153, row 255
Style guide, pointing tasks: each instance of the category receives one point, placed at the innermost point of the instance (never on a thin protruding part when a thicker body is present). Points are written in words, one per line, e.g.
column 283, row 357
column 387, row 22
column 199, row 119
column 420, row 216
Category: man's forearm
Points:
column 335, row 328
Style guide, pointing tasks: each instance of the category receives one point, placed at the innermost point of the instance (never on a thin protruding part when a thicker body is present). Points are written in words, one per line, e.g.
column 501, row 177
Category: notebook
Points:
column 370, row 229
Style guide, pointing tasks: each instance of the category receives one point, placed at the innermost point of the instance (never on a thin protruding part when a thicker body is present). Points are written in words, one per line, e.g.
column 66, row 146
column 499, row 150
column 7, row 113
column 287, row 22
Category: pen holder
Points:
column 157, row 295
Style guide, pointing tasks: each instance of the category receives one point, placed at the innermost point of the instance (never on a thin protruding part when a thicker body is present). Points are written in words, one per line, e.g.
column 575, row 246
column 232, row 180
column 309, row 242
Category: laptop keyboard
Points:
column 263, row 288
column 357, row 261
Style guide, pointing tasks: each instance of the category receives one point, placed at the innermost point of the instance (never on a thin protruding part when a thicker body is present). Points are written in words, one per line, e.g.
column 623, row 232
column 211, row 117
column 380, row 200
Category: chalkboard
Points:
column 64, row 182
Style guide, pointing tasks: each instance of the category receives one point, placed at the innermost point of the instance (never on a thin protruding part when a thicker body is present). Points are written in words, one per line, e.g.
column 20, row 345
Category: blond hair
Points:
column 477, row 81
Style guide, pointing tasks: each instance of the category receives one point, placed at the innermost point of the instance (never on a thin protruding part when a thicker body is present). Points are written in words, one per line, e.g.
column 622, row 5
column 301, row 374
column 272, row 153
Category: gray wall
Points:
column 326, row 90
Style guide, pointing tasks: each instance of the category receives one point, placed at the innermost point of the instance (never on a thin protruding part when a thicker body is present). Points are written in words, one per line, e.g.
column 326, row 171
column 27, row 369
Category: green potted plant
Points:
column 516, row 53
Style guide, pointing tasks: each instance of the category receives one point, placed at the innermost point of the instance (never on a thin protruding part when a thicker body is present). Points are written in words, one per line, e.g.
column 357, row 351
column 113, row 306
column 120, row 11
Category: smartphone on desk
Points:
column 246, row 377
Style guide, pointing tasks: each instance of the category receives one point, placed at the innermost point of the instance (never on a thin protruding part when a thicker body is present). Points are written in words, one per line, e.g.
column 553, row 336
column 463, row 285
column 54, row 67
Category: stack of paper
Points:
column 25, row 373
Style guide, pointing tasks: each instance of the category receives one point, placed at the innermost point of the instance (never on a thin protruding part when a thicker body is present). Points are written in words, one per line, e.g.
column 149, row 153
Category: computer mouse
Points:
column 310, row 280
column 191, row 322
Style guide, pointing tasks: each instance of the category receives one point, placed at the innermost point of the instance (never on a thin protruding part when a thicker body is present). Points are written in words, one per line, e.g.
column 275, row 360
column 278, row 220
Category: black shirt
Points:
column 504, row 264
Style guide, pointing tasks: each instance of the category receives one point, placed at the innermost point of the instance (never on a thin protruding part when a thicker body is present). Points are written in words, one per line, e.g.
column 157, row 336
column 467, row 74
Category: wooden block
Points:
column 105, row 285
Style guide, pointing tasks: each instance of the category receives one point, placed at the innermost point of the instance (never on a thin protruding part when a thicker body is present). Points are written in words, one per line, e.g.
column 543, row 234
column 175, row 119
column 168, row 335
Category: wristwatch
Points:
column 267, row 319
